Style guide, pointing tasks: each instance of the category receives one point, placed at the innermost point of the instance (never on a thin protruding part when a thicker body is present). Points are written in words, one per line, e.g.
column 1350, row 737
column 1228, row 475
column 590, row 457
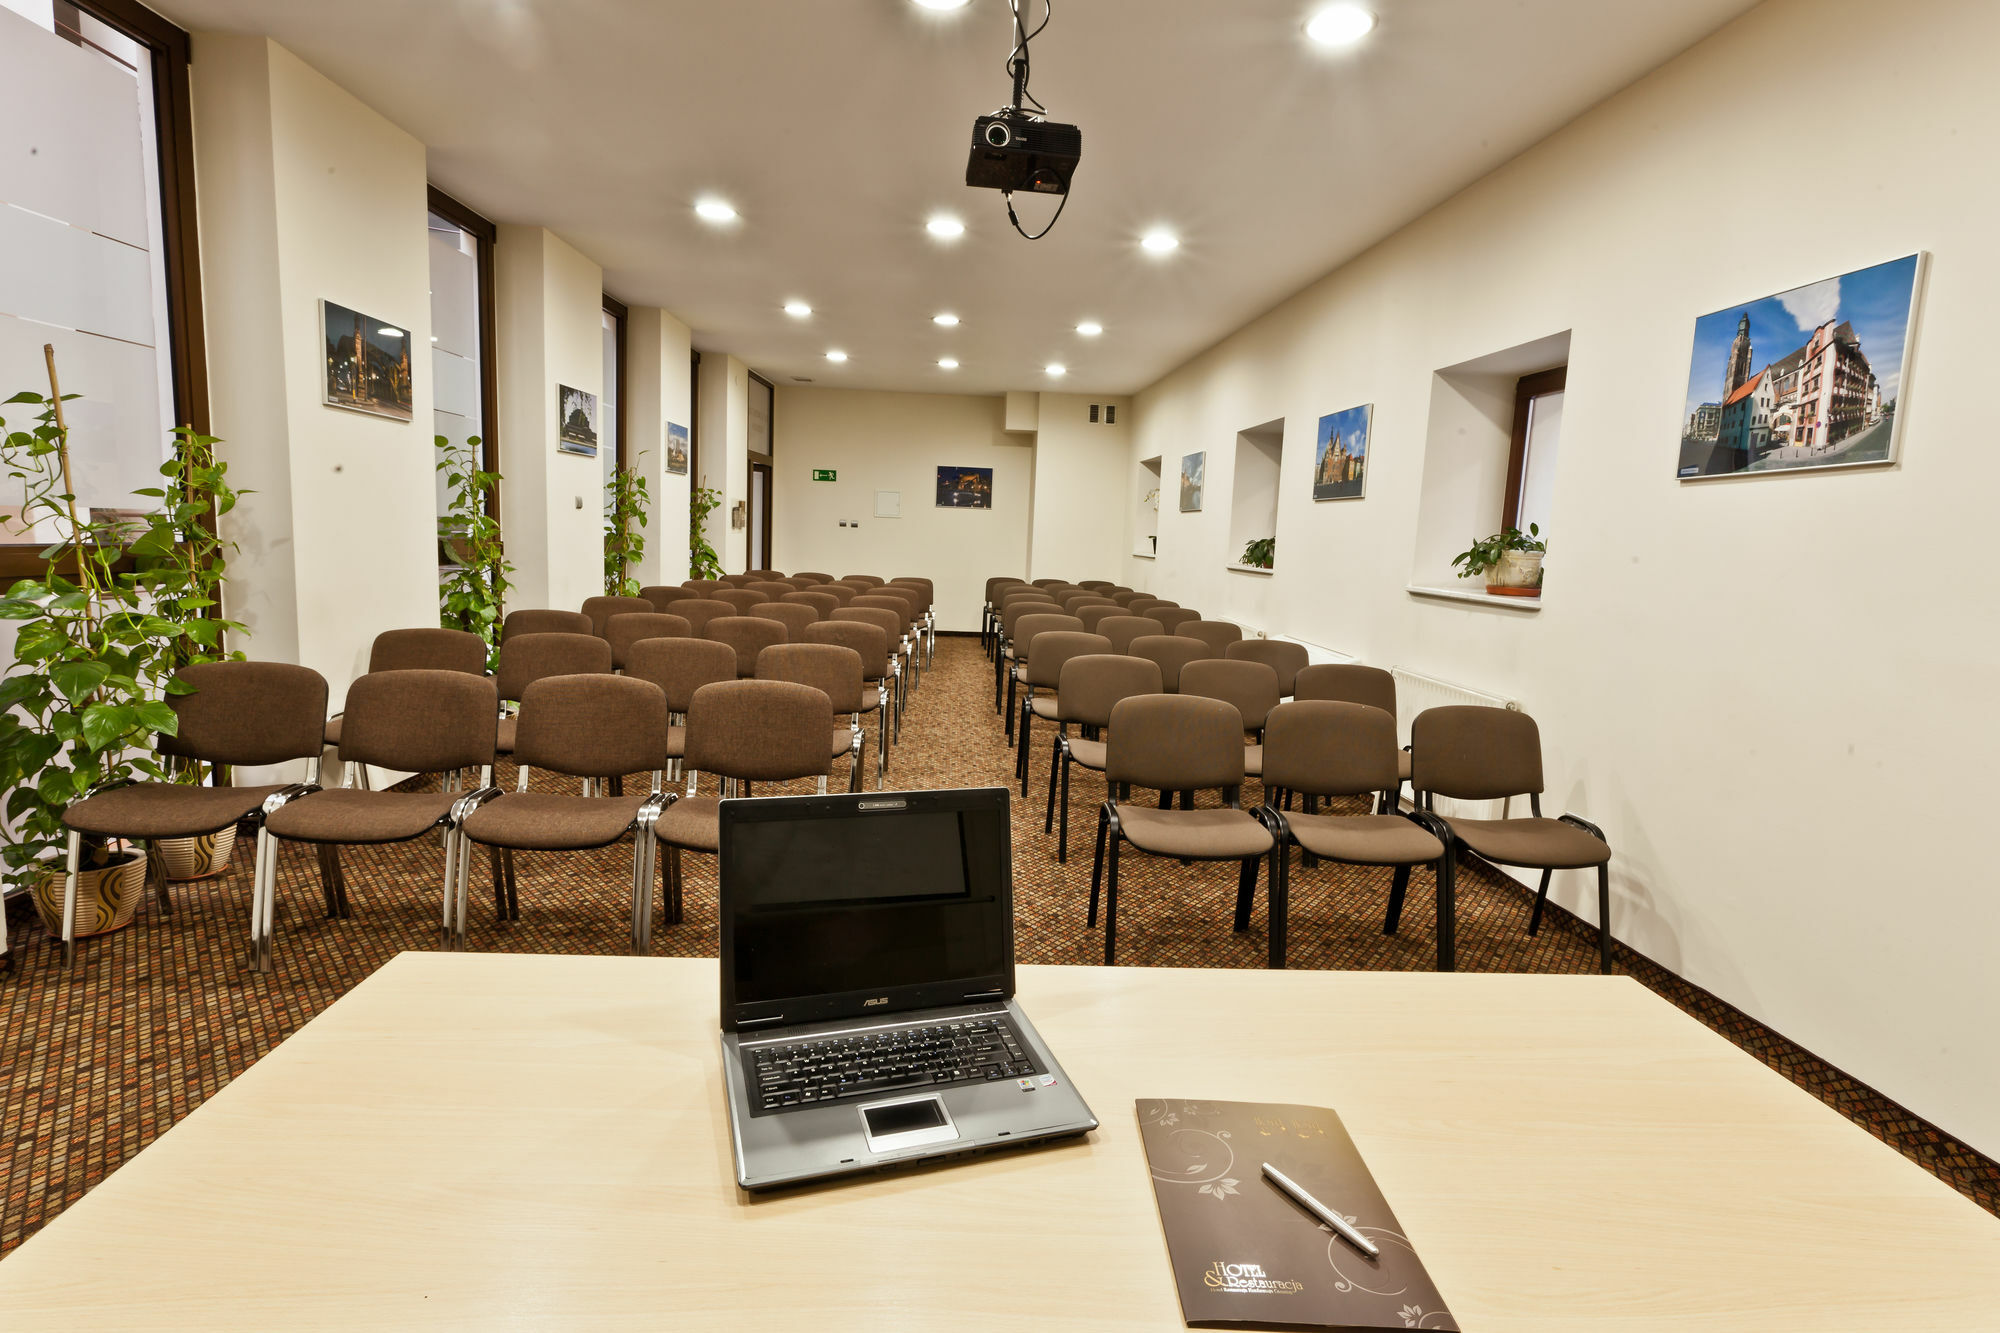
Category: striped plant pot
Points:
column 105, row 898
column 195, row 858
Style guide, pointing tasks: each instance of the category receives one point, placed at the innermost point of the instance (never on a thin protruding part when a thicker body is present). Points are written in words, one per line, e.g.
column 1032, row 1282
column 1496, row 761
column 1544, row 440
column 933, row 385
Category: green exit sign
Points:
column 823, row 474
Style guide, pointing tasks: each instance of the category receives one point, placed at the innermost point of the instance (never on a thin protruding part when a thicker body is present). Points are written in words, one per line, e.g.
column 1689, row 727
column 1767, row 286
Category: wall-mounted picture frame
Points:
column 965, row 488
column 1194, row 468
column 677, row 449
column 1340, row 458
column 1805, row 380
column 367, row 364
column 576, row 421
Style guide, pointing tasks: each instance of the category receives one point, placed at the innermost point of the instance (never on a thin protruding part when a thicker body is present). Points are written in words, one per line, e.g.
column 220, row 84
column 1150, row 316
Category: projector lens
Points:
column 999, row 136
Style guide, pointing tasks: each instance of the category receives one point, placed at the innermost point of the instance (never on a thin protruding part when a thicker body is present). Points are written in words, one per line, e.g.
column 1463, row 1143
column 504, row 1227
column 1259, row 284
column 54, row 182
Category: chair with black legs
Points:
column 1353, row 683
column 1088, row 689
column 1336, row 750
column 1171, row 653
column 1281, row 655
column 1021, row 641
column 1042, row 670
column 1124, row 630
column 1217, row 634
column 1251, row 687
column 1171, row 742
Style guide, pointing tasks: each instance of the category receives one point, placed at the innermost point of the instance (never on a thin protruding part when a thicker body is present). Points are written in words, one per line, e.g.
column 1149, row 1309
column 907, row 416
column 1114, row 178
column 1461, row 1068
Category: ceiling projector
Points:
column 1015, row 149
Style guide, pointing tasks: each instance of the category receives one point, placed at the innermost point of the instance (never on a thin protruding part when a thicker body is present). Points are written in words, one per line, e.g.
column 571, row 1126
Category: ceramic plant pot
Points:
column 1519, row 574
column 106, row 897
column 195, row 858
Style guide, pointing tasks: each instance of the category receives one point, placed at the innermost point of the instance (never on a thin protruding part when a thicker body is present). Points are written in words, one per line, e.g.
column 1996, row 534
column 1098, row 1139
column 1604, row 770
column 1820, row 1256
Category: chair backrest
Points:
column 771, row 588
column 791, row 615
column 829, row 668
column 1217, row 634
column 1145, row 606
column 527, row 658
column 428, row 650
column 1281, row 655
column 913, row 598
column 699, row 611
column 1124, row 630
column 1090, row 687
column 748, row 635
column 870, row 642
column 1173, row 617
column 840, row 592
column 1096, row 585
column 888, row 622
column 1172, row 652
column 1028, row 627
column 1475, row 754
column 629, row 627
column 806, row 576
column 1047, row 583
column 1012, row 599
column 601, row 609
column 1093, row 616
column 247, row 713
column 760, row 730
column 703, row 586
column 681, row 666
column 883, row 602
column 767, row 575
column 663, row 597
column 1016, row 608
column 869, row 579
column 823, row 604
column 544, row 622
column 1052, row 648
column 1126, row 597
column 1324, row 748
column 739, row 580
column 592, row 726
column 1347, row 682
column 740, row 598
column 1251, row 686
column 1175, row 742
column 420, row 721
column 1076, row 601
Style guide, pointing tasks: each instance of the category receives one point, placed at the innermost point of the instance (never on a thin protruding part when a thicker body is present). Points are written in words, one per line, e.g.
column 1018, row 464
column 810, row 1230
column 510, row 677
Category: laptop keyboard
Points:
column 864, row 1064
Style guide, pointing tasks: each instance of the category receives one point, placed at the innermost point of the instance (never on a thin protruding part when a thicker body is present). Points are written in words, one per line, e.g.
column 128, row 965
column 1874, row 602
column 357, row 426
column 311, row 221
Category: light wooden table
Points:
column 481, row 1141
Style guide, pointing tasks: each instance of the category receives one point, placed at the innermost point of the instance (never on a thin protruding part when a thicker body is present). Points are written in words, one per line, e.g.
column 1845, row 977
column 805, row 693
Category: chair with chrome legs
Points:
column 791, row 615
column 527, row 658
column 601, row 609
column 824, row 604
column 680, row 667
column 1334, row 750
column 834, row 671
column 629, row 627
column 533, row 620
column 871, row 644
column 425, row 649
column 748, row 635
column 1088, row 689
column 595, row 728
column 246, row 714
column 900, row 605
column 663, row 597
column 1041, row 669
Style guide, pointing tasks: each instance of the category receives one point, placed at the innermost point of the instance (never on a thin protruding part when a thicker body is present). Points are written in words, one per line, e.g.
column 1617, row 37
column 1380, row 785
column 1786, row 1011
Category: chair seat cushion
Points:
column 537, row 821
column 332, row 733
column 1088, row 753
column 677, row 738
column 504, row 744
column 163, row 810
column 350, row 816
column 1044, row 707
column 1403, row 765
column 1197, row 834
column 1369, row 840
column 1544, row 844
column 1253, row 761
column 871, row 698
column 843, row 741
column 693, row 822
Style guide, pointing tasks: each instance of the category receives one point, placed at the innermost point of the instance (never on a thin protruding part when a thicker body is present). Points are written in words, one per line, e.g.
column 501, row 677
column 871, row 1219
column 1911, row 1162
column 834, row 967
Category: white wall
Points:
column 1768, row 690
column 1079, row 467
column 896, row 442
column 725, row 452
column 657, row 392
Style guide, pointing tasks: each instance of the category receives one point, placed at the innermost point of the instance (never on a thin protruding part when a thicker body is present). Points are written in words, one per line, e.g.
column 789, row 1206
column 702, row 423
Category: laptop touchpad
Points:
column 910, row 1123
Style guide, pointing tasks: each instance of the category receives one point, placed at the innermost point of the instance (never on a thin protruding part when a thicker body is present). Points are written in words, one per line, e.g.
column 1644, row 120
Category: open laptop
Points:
column 868, row 1014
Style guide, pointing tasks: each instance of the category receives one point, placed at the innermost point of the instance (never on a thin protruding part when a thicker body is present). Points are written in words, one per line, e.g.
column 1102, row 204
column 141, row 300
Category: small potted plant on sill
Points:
column 1511, row 561
column 1260, row 554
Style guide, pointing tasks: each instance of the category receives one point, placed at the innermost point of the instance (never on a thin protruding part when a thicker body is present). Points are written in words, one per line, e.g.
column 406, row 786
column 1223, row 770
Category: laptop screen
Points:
column 864, row 904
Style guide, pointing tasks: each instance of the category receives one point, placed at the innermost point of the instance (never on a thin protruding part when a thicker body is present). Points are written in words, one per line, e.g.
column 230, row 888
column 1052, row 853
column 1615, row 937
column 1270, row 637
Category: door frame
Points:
column 762, row 558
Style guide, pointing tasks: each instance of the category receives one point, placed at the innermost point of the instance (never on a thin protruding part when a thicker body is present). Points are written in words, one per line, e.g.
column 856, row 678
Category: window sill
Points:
column 1251, row 569
column 1483, row 598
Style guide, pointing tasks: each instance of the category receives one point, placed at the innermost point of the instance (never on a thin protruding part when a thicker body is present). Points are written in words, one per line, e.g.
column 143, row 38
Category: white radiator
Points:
column 1415, row 692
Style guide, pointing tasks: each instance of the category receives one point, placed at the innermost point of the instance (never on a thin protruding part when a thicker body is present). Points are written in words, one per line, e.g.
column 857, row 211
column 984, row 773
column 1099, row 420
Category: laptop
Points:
column 868, row 1012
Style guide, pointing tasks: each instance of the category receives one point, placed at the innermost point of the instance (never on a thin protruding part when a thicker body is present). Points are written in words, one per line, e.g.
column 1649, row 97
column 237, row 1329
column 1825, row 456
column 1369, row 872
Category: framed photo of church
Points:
column 1807, row 379
column 1340, row 458
column 1194, row 470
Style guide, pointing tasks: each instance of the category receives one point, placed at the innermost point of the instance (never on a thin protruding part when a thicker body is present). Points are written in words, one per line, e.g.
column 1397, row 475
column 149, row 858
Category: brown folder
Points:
column 1245, row 1255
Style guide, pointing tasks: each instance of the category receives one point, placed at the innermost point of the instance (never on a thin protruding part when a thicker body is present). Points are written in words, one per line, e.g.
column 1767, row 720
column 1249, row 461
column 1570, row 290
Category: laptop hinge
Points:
column 988, row 995
column 759, row 1022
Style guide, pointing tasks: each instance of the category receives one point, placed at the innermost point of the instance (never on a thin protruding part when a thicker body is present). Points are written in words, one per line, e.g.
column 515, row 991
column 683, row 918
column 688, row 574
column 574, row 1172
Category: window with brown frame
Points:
column 464, row 345
column 1531, row 459
column 613, row 404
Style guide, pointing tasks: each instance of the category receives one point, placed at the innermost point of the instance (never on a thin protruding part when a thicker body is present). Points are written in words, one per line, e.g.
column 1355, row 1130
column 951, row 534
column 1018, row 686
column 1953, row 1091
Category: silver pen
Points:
column 1323, row 1213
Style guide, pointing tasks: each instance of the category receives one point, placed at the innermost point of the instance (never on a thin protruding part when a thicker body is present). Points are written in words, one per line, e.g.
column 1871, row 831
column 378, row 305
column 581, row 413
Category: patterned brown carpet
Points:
column 96, row 1062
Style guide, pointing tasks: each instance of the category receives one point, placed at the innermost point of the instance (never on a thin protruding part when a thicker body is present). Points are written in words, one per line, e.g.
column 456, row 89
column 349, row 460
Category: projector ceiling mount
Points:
column 1018, row 147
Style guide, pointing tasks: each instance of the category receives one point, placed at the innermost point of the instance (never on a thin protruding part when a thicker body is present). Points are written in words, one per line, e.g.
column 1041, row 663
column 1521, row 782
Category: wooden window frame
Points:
column 1530, row 387
column 488, row 235
column 618, row 310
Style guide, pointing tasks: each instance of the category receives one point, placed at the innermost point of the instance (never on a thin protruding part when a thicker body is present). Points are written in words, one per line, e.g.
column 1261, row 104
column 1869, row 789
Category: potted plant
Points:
column 1511, row 561
column 625, row 504
column 472, row 588
column 1260, row 554
column 703, row 562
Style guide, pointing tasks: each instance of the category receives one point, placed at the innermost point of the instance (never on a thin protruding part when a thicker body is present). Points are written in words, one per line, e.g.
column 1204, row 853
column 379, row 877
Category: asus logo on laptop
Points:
column 881, row 805
column 881, row 999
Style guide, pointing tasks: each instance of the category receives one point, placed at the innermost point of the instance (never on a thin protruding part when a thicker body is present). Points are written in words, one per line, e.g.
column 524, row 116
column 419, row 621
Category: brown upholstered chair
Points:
column 1047, row 583
column 417, row 650
column 663, row 597
column 1089, row 688
column 413, row 722
column 926, row 610
column 871, row 580
column 1281, row 655
column 527, row 658
column 699, row 611
column 1320, row 749
column 1173, row 617
column 835, row 672
column 742, row 599
column 1127, row 596
column 772, row 589
column 595, row 727
column 1350, row 682
column 1123, row 630
column 905, row 649
column 703, row 586
column 791, row 615
column 1172, row 742
column 1042, row 668
column 824, row 604
column 748, row 636
column 1101, row 611
column 1145, row 606
column 1020, row 639
column 840, row 592
column 1096, row 585
column 739, row 580
column 1172, row 653
column 743, row 731
column 248, row 714
column 890, row 624
column 1251, row 686
column 1014, row 603
column 767, row 575
column 990, row 608
column 810, row 576
column 630, row 627
column 1077, row 602
column 1490, row 754
column 680, row 667
column 871, row 644
column 544, row 622
column 601, row 609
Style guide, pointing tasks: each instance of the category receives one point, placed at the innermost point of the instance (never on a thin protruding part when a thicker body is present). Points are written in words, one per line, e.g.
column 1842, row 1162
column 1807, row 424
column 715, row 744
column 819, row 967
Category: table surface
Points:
column 491, row 1141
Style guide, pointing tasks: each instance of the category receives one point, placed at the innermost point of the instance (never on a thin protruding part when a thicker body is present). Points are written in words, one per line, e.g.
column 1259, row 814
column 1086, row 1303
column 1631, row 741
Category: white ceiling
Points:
column 837, row 126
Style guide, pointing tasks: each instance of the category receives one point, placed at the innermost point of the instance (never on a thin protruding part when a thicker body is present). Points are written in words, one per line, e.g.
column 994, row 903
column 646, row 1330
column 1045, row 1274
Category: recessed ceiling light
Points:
column 797, row 309
column 948, row 363
column 836, row 355
column 945, row 227
column 943, row 4
column 1058, row 371
column 714, row 210
column 1340, row 25
column 1160, row 241
column 1090, row 328
column 948, row 320
column 387, row 331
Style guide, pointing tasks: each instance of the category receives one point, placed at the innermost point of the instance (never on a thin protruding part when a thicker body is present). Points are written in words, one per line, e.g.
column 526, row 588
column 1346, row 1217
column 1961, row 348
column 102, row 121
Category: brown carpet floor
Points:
column 97, row 1062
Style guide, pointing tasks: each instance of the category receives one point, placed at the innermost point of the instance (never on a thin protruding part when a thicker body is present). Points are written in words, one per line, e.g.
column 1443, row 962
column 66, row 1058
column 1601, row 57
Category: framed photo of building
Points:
column 1340, row 459
column 677, row 449
column 965, row 488
column 1807, row 379
column 1193, row 467
column 367, row 363
column 576, row 421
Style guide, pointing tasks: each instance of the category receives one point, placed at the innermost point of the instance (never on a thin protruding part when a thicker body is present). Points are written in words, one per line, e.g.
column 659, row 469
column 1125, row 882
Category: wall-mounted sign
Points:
column 824, row 474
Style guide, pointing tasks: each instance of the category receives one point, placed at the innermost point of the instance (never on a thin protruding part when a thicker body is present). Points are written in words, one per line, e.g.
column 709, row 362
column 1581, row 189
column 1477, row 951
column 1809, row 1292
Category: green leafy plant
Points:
column 703, row 562
column 1484, row 555
column 625, row 504
column 1260, row 554
column 472, row 592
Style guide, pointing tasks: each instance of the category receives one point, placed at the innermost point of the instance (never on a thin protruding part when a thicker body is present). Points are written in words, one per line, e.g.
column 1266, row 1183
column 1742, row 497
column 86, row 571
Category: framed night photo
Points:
column 965, row 488
column 367, row 363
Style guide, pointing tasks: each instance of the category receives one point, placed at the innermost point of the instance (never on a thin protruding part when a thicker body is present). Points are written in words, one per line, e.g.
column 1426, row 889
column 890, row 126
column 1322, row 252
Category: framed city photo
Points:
column 367, row 363
column 1340, row 460
column 1807, row 379
column 965, row 488
column 677, row 449
column 1192, row 467
column 576, row 421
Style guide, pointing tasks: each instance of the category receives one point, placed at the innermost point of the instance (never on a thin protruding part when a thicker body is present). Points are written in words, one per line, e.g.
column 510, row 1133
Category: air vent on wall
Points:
column 1110, row 415
column 1093, row 414
column 802, row 379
